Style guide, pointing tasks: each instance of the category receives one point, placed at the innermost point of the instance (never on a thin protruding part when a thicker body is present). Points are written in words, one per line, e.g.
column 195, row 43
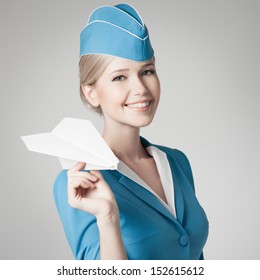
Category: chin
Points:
column 142, row 123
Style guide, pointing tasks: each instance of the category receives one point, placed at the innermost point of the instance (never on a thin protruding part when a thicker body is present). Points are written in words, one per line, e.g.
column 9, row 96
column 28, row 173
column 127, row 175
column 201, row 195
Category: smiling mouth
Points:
column 139, row 105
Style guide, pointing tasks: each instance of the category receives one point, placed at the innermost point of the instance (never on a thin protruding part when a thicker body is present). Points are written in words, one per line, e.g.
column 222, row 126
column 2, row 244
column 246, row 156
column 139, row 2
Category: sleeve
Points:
column 80, row 227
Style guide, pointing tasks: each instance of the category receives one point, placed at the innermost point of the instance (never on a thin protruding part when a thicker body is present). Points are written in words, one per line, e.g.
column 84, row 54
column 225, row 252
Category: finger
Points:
column 72, row 178
column 78, row 166
column 75, row 182
column 83, row 174
column 76, row 189
column 81, row 192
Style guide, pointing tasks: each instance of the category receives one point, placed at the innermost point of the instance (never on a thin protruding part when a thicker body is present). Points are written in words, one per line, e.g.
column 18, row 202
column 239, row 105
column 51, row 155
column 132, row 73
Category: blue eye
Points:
column 148, row 72
column 119, row 78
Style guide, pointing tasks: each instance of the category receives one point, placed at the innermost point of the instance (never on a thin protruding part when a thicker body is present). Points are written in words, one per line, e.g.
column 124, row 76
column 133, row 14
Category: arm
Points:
column 110, row 238
column 89, row 192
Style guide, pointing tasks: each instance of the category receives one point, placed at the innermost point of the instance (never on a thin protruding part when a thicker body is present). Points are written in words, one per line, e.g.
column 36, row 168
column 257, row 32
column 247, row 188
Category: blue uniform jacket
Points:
column 149, row 230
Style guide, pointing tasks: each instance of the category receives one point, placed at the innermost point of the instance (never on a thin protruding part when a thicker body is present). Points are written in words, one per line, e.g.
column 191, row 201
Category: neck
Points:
column 125, row 142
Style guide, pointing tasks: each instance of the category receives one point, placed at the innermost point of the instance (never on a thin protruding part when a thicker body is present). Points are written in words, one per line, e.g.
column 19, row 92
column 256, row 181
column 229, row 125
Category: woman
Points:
column 147, row 208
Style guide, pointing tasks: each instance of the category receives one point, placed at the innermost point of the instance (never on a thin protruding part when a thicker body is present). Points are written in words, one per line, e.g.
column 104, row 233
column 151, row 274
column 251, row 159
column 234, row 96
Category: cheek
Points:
column 111, row 98
column 158, row 84
column 156, row 89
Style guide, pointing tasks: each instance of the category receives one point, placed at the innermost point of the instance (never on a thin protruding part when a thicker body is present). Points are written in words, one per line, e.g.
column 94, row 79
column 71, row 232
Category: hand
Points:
column 88, row 191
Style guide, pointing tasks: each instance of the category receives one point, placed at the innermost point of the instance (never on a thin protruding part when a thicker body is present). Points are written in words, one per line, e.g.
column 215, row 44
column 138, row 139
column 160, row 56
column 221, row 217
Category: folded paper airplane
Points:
column 74, row 140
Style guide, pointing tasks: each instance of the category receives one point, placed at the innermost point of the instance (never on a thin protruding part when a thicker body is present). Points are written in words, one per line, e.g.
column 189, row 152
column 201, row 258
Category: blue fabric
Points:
column 118, row 31
column 149, row 230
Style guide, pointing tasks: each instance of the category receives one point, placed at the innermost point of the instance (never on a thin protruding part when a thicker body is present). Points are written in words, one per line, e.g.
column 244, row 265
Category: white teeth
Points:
column 139, row 105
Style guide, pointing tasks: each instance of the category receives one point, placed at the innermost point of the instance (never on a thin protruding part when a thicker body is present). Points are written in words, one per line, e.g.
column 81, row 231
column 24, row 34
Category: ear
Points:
column 90, row 94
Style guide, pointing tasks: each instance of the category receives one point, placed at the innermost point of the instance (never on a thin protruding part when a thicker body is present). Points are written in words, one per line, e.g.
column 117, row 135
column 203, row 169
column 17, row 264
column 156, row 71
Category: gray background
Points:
column 208, row 60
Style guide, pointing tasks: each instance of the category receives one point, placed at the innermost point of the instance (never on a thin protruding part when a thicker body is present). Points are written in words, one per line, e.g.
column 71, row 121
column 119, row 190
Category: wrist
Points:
column 111, row 218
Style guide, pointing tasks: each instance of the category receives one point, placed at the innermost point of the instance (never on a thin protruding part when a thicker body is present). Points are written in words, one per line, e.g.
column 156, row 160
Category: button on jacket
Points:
column 149, row 230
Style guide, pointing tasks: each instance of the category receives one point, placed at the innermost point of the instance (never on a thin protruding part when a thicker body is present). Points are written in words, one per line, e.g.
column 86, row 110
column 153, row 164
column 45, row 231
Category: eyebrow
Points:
column 119, row 70
column 127, row 70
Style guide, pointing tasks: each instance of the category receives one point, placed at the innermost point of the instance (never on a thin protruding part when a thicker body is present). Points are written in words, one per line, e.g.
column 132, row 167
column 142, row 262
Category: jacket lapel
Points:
column 146, row 196
column 178, row 196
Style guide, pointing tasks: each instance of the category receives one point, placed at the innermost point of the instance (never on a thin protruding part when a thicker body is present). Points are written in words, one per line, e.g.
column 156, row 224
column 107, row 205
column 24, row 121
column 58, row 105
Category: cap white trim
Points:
column 101, row 21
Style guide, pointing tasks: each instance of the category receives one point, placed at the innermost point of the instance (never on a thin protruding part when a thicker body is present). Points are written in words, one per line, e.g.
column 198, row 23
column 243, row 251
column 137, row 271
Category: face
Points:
column 128, row 92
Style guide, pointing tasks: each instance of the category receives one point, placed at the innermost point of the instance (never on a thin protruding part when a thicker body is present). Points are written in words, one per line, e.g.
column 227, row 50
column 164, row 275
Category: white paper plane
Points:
column 74, row 140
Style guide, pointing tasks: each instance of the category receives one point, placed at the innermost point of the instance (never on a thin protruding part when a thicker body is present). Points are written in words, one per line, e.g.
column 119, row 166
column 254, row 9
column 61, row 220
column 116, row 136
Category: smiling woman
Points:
column 147, row 208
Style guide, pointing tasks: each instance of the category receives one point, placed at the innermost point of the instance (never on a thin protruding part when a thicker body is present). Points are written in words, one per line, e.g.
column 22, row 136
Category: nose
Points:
column 138, row 86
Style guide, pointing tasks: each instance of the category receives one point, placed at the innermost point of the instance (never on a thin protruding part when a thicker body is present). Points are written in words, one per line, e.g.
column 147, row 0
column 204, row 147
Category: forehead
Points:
column 126, row 64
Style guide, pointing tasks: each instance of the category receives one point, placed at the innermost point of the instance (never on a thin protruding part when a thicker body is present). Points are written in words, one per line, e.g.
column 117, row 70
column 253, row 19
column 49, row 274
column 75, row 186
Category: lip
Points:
column 140, row 101
column 134, row 107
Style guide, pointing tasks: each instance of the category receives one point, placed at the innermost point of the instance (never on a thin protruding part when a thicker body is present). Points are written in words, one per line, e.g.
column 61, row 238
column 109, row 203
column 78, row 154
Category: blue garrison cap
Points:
column 118, row 31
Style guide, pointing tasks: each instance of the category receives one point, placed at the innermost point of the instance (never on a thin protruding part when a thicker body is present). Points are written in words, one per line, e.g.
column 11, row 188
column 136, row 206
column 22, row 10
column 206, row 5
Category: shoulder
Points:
column 179, row 161
column 178, row 155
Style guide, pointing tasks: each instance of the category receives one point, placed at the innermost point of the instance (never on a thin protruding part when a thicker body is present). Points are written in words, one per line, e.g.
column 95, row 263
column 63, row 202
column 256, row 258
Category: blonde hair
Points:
column 91, row 67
